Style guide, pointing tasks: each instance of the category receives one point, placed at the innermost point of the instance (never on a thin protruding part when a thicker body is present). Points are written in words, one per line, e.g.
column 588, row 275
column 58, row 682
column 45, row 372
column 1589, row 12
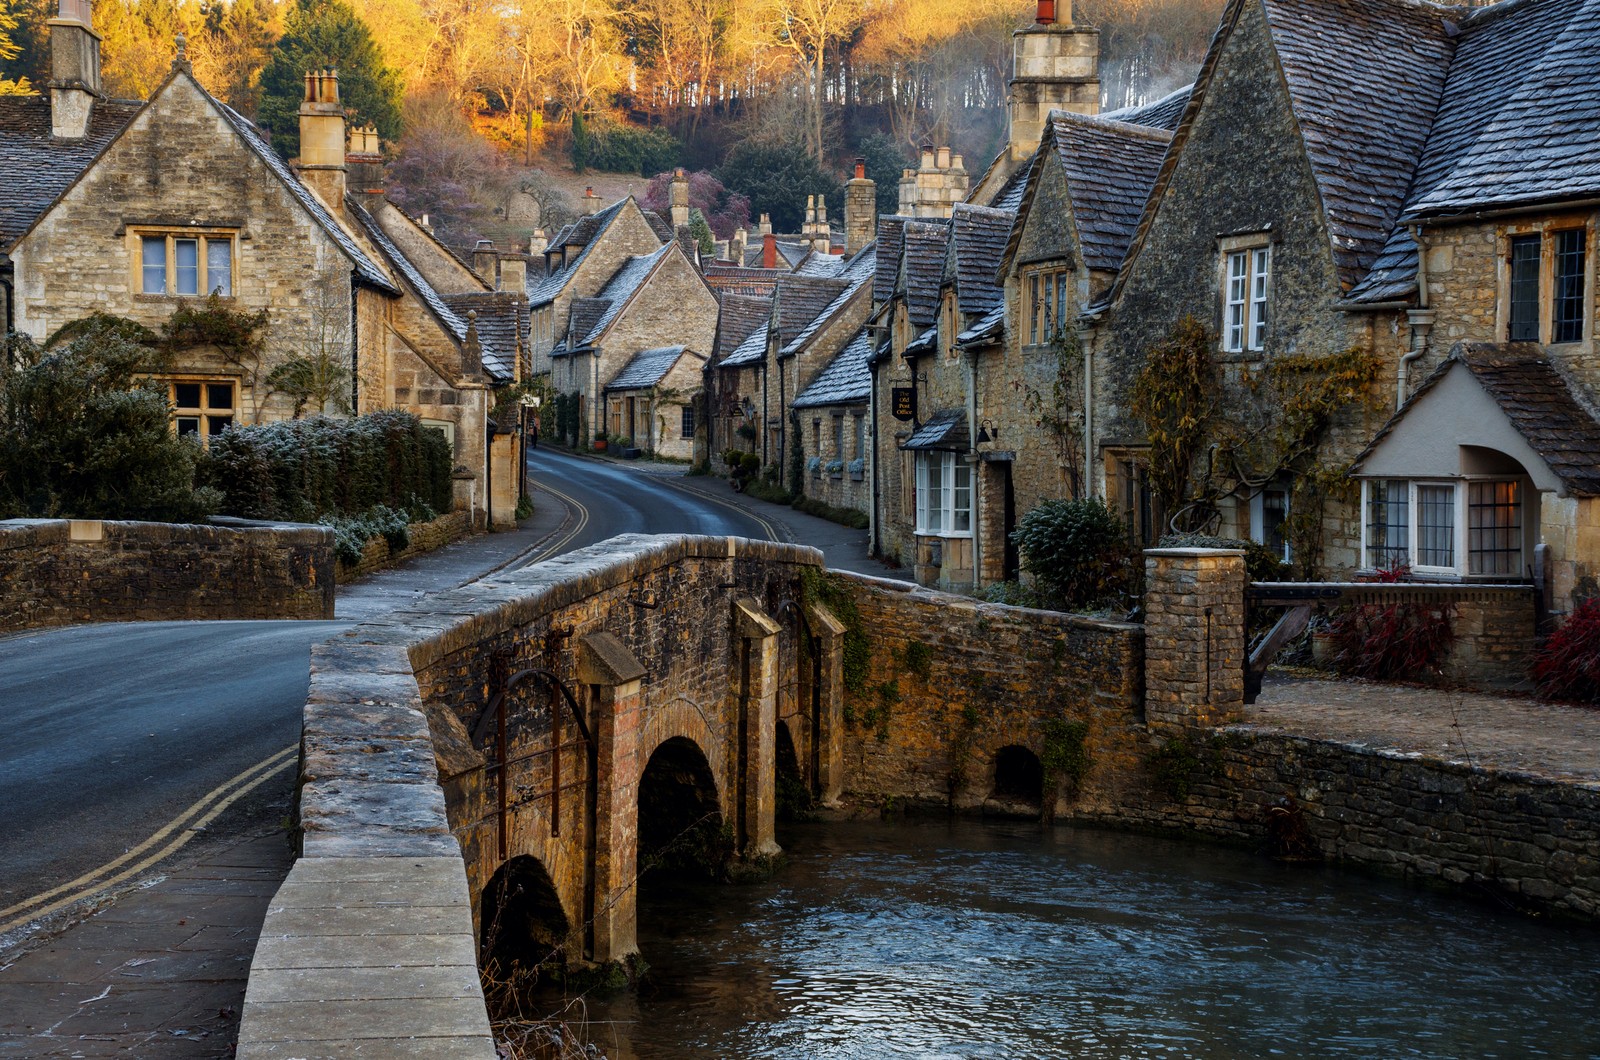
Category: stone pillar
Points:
column 756, row 640
column 829, row 703
column 1194, row 636
column 503, row 449
column 614, row 676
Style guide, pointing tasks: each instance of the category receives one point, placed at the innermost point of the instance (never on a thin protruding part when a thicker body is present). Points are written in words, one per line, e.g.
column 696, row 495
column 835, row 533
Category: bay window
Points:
column 1473, row 527
column 944, row 494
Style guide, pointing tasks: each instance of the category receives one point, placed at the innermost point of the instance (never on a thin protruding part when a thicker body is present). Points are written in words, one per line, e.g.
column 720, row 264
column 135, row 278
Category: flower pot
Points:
column 599, row 445
column 1323, row 650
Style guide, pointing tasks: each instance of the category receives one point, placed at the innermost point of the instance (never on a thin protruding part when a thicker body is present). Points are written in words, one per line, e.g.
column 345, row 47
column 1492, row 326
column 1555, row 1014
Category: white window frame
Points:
column 203, row 240
column 944, row 485
column 1460, row 538
column 1246, row 277
column 1258, row 520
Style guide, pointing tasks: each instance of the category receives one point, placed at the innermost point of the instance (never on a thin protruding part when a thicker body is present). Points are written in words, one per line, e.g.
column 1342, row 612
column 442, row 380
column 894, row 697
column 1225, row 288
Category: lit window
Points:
column 1245, row 292
column 1423, row 525
column 202, row 408
column 194, row 265
column 944, row 495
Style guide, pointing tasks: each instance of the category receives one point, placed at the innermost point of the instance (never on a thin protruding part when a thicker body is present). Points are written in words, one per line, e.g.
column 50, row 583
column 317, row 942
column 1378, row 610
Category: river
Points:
column 965, row 939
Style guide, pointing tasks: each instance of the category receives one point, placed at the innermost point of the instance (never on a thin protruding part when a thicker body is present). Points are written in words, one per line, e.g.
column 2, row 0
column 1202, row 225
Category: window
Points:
column 1129, row 492
column 861, row 436
column 838, row 439
column 687, row 423
column 1546, row 277
column 1269, row 510
column 1047, row 305
column 944, row 495
column 1245, row 290
column 202, row 408
column 445, row 429
column 186, row 263
column 1473, row 528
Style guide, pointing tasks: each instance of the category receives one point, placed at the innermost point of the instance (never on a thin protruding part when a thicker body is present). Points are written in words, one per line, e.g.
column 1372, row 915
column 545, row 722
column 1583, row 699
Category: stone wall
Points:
column 425, row 537
column 56, row 572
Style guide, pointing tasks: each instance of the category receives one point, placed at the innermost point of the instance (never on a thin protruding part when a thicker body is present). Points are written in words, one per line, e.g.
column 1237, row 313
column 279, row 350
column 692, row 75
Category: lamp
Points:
column 988, row 432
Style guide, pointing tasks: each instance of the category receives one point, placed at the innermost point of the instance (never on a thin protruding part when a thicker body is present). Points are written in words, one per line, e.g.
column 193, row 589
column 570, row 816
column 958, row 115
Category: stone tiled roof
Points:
column 502, row 326
column 738, row 317
column 1110, row 168
column 845, row 381
column 891, row 240
column 857, row 274
column 582, row 315
column 1164, row 113
column 1365, row 77
column 927, row 342
column 1536, row 398
column 646, row 369
column 1520, row 117
column 365, row 268
column 815, row 264
column 622, row 286
column 581, row 233
column 659, row 225
column 496, row 362
column 737, row 279
column 945, row 429
column 799, row 299
column 990, row 328
column 37, row 167
column 1009, row 197
column 924, row 269
column 753, row 350
column 978, row 235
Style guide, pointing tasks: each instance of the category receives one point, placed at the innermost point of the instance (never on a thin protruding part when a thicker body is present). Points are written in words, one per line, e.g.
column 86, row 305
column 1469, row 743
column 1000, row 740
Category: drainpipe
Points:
column 874, row 494
column 1084, row 335
column 1420, row 319
column 971, row 364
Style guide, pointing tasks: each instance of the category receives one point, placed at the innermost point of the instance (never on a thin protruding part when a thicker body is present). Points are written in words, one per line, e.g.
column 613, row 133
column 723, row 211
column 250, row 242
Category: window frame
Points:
column 204, row 411
column 203, row 239
column 1128, row 492
column 941, row 505
column 1462, row 529
column 1555, row 285
column 1244, row 287
column 1259, row 506
column 686, row 422
column 1044, row 294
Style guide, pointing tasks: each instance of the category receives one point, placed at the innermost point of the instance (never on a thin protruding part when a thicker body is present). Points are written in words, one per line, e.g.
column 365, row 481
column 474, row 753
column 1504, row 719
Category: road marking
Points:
column 209, row 806
column 772, row 531
column 574, row 507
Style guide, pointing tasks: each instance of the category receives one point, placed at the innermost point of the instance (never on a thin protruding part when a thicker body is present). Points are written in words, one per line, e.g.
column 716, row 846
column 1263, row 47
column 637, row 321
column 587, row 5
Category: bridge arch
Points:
column 1017, row 777
column 523, row 926
column 681, row 819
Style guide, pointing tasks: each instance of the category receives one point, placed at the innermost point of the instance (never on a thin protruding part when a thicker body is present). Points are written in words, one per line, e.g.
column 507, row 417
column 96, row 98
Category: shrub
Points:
column 352, row 532
column 619, row 148
column 1389, row 641
column 1078, row 553
column 1261, row 563
column 1567, row 667
column 851, row 517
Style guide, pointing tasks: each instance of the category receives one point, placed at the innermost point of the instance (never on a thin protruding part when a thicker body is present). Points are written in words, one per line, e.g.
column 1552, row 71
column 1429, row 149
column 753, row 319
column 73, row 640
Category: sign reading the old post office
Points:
column 903, row 402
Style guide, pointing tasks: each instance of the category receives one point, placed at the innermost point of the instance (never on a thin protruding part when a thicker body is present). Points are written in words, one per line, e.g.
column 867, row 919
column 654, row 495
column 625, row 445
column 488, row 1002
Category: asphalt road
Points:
column 109, row 732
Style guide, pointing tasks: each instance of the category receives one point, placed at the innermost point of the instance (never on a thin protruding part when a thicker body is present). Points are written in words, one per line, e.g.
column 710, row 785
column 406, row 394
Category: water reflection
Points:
column 971, row 940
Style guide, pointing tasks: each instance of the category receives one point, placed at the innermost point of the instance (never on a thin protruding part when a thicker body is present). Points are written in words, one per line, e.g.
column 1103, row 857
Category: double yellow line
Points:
column 164, row 843
column 574, row 508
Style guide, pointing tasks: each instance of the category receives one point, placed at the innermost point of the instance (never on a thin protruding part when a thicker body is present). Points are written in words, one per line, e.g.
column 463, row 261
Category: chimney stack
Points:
column 860, row 210
column 538, row 242
column 816, row 231
column 764, row 226
column 322, row 145
column 935, row 188
column 678, row 199
column 769, row 250
column 74, row 69
column 737, row 245
column 514, row 274
column 1054, row 66
column 591, row 202
column 483, row 260
column 363, row 162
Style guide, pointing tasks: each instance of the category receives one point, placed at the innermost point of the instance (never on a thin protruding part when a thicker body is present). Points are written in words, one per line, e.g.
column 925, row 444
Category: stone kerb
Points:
column 368, row 948
column 56, row 572
column 1194, row 637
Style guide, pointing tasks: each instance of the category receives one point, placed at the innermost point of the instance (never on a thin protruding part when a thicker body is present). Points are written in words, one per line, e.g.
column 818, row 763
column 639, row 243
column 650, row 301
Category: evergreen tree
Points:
column 580, row 142
column 319, row 34
column 777, row 177
column 701, row 231
column 24, row 45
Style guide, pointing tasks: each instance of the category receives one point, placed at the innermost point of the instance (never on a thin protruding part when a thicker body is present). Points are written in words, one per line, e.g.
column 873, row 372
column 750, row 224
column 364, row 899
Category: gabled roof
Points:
column 790, row 253
column 648, row 368
column 845, row 381
column 923, row 268
column 582, row 315
column 496, row 362
column 891, row 240
column 620, row 289
column 978, row 236
column 815, row 264
column 1164, row 113
column 856, row 275
column 502, row 326
column 988, row 330
column 753, row 350
column 737, row 279
column 658, row 224
column 581, row 233
column 38, row 167
column 1520, row 117
column 799, row 299
column 738, row 317
column 1539, row 402
column 1110, row 167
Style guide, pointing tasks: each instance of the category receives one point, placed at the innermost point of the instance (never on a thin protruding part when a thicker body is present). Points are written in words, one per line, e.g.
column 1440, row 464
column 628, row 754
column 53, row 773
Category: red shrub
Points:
column 1390, row 641
column 1568, row 666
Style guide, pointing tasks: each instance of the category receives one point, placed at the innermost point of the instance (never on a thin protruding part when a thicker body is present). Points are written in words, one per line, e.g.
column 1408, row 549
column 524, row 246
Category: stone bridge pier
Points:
column 625, row 706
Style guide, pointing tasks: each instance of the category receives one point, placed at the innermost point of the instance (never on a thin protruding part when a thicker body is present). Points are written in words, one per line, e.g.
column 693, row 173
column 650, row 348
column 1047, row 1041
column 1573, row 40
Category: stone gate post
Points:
column 1194, row 636
column 756, row 640
column 613, row 674
column 829, row 703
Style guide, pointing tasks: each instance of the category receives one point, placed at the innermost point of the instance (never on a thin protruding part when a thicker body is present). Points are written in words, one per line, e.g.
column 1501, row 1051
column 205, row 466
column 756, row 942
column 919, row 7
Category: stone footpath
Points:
column 160, row 970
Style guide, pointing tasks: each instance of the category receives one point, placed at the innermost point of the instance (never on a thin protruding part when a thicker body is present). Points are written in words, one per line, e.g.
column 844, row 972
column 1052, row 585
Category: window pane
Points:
column 1524, row 315
column 1388, row 523
column 1061, row 301
column 154, row 262
column 838, row 438
column 1235, row 318
column 1567, row 322
column 1258, row 299
column 1274, row 511
column 1033, row 309
column 688, row 421
column 188, row 426
column 960, row 495
column 1436, row 526
column 1494, row 528
column 219, row 395
column 219, row 266
column 215, row 425
column 186, row 395
column 186, row 257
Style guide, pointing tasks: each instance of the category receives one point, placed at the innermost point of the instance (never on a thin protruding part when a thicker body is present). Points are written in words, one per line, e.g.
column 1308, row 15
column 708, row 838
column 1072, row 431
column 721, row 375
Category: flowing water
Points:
column 967, row 939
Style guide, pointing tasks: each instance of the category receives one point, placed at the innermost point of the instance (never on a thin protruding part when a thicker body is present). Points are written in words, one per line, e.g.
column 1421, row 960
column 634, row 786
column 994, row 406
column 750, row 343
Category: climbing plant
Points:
column 1057, row 405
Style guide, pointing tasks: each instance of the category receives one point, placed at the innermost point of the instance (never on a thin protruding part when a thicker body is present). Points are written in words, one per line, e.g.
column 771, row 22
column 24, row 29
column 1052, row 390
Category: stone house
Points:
column 733, row 373
column 652, row 401
column 835, row 408
column 140, row 230
column 650, row 302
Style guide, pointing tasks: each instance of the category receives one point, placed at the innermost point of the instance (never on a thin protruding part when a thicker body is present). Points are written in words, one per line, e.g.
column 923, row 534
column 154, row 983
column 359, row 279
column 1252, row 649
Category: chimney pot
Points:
column 927, row 156
column 861, row 169
column 943, row 158
column 1046, row 14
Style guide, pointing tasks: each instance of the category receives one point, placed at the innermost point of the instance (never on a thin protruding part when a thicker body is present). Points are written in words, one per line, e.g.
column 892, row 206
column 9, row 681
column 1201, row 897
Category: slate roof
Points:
column 845, row 381
column 581, row 233
column 1164, row 113
column 366, row 270
column 659, row 225
column 738, row 317
column 978, row 236
column 1538, row 401
column 924, row 269
column 1520, row 117
column 1009, row 197
column 891, row 239
column 646, row 369
column 737, row 279
column 497, row 362
column 37, row 167
column 753, row 350
column 622, row 286
column 1110, row 168
column 582, row 315
column 945, row 429
column 927, row 342
column 790, row 253
column 990, row 328
column 1365, row 77
column 799, row 299
column 502, row 326
column 815, row 264
column 856, row 274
